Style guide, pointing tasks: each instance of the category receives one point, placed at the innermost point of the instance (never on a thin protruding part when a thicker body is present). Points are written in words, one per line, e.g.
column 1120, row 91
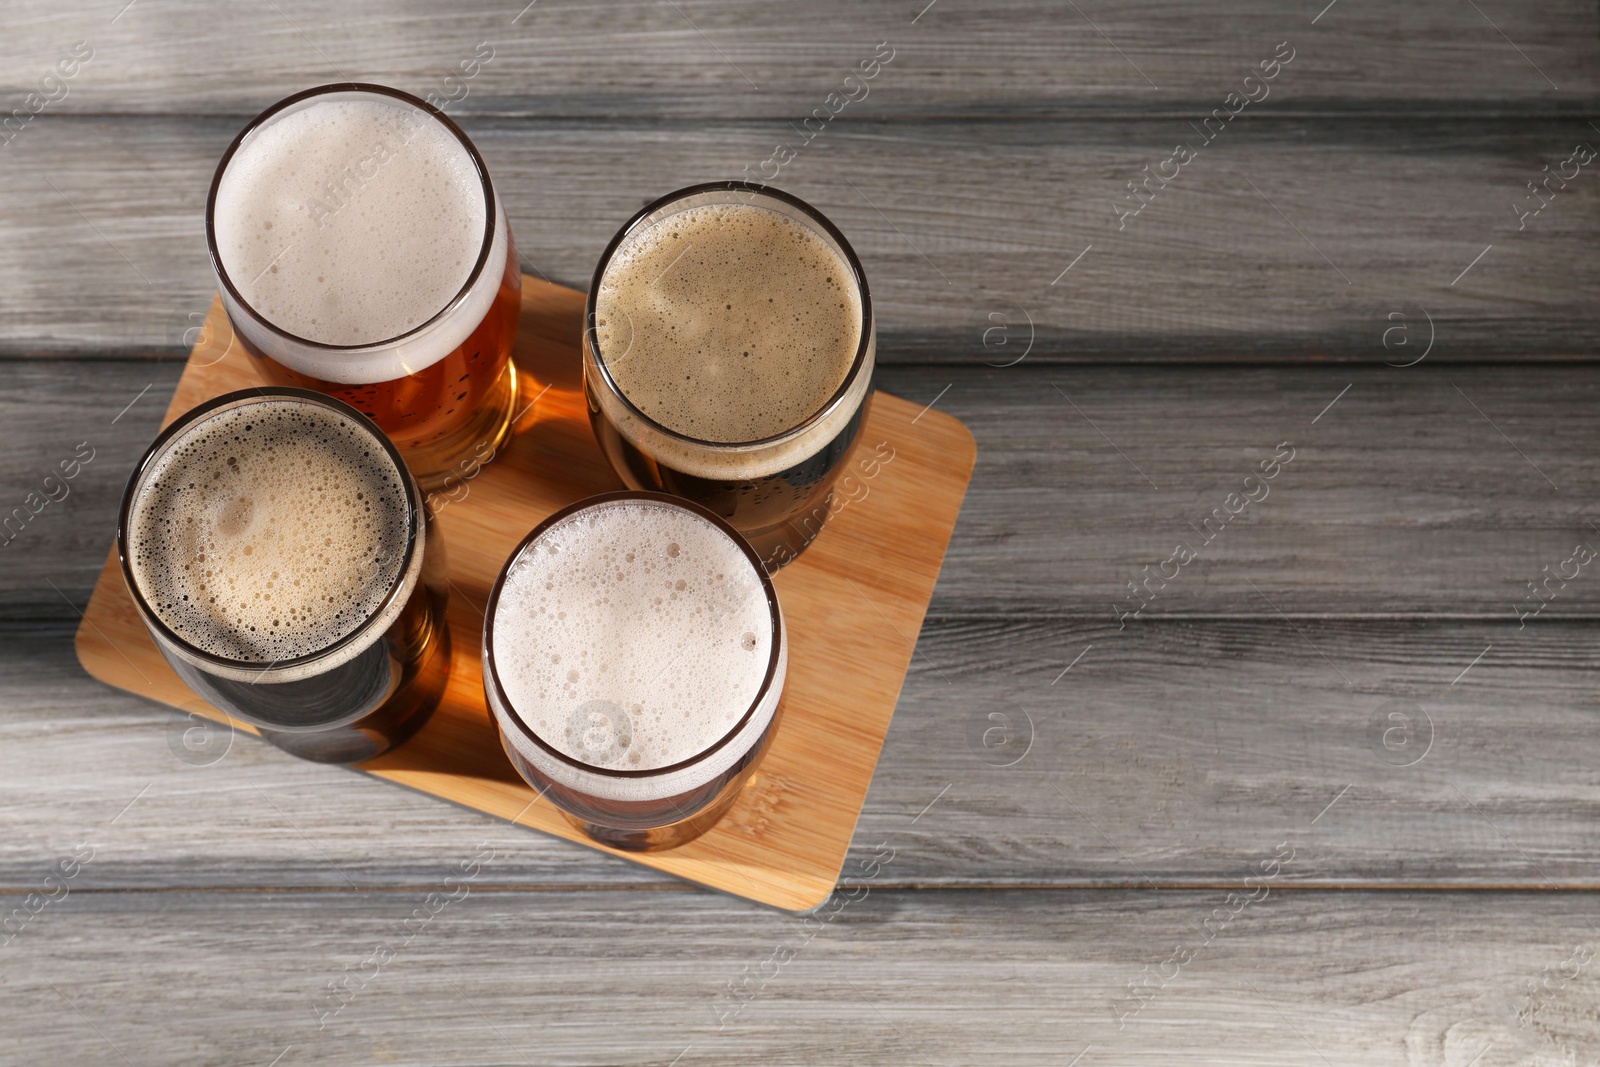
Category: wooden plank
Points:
column 1403, row 498
column 874, row 567
column 1019, row 977
column 212, row 808
column 56, row 408
column 1163, row 756
column 1432, row 491
column 1286, row 240
column 746, row 58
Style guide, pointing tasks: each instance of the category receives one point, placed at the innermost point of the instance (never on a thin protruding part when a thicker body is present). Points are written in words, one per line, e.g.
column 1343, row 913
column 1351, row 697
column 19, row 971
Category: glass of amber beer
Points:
column 282, row 557
column 727, row 357
column 633, row 658
column 361, row 251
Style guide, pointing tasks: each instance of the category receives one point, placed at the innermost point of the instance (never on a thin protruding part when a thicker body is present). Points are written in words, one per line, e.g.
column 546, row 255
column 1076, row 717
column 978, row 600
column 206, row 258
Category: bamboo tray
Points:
column 854, row 603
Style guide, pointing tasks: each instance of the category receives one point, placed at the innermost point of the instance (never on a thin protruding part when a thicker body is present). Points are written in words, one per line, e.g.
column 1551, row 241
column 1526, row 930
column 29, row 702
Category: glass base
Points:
column 393, row 723
column 454, row 459
column 660, row 838
column 779, row 546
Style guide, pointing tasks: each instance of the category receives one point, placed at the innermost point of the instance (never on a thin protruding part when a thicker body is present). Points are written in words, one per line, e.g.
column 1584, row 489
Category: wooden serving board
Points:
column 853, row 602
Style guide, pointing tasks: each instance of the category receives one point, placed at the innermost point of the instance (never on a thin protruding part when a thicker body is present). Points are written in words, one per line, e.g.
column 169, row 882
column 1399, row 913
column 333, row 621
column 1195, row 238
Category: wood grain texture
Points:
column 1418, row 493
column 641, row 977
column 1287, row 239
column 1432, row 490
column 744, row 58
column 1400, row 555
column 1165, row 756
column 852, row 604
column 1250, row 704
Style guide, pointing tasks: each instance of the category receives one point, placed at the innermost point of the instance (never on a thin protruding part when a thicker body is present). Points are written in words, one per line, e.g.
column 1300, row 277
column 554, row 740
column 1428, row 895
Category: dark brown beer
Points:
column 728, row 358
column 281, row 557
column 779, row 514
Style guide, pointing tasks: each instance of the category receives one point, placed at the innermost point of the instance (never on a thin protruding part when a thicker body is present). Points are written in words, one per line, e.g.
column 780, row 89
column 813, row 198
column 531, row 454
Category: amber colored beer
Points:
column 452, row 412
column 361, row 251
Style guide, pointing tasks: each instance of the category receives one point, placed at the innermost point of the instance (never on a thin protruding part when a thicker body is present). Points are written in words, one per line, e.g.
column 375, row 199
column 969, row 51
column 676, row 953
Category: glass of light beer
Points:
column 283, row 560
column 633, row 658
column 728, row 355
column 361, row 251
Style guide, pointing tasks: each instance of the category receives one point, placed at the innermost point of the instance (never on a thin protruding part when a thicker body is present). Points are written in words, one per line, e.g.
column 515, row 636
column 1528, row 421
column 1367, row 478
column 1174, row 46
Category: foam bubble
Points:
column 350, row 220
column 728, row 322
column 269, row 531
column 632, row 635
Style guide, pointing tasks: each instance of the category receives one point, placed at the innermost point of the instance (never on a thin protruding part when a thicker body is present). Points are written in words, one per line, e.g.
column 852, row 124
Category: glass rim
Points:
column 491, row 673
column 814, row 216
column 239, row 398
column 371, row 88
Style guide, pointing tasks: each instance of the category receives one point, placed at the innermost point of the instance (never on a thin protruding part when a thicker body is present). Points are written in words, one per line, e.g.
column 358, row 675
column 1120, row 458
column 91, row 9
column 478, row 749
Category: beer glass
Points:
column 728, row 354
column 283, row 560
column 633, row 659
column 361, row 251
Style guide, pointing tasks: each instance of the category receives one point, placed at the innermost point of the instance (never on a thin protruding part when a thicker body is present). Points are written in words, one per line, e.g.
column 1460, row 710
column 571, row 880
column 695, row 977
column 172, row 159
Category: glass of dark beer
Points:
column 282, row 557
column 362, row 252
column 633, row 659
column 728, row 354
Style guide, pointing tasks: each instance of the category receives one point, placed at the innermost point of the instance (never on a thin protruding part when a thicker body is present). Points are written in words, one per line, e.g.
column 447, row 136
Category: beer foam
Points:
column 633, row 635
column 728, row 322
column 269, row 531
column 350, row 220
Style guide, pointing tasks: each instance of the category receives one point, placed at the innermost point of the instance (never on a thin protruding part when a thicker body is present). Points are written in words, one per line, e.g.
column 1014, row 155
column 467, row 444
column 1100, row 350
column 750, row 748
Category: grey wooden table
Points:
column 1324, row 793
